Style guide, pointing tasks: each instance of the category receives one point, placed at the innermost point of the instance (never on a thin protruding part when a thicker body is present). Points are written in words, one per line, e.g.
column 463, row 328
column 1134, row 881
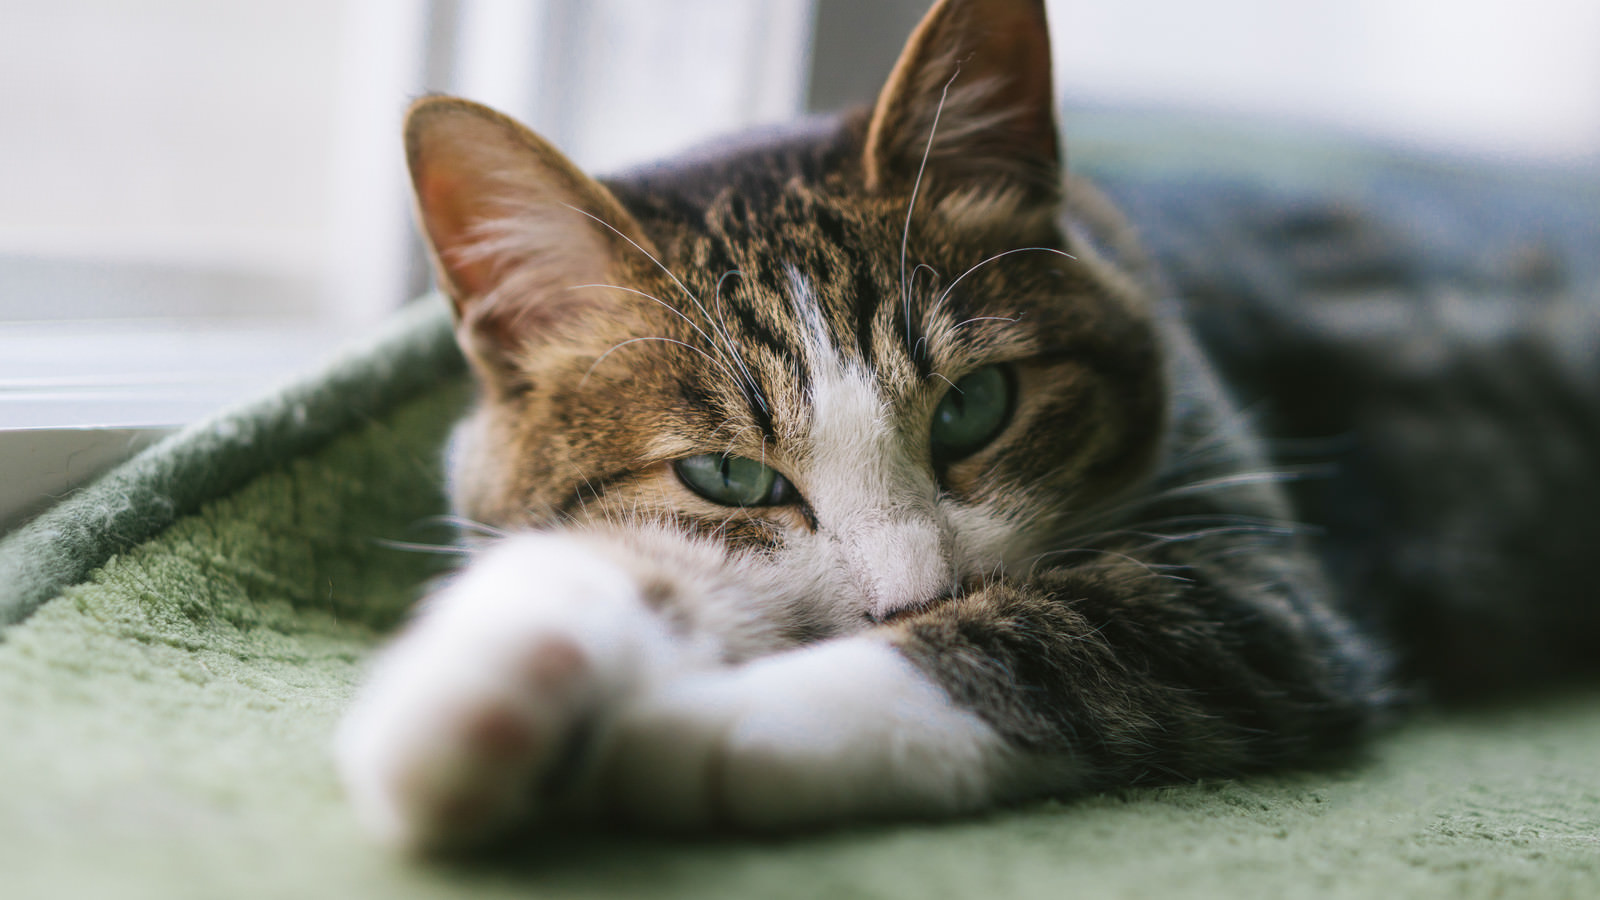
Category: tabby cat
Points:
column 860, row 470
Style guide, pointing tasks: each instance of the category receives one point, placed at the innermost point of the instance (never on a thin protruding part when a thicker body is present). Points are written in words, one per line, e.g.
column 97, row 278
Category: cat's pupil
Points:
column 734, row 480
column 971, row 414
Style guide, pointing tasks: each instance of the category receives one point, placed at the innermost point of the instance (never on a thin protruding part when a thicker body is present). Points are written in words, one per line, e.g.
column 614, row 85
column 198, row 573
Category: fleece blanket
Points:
column 177, row 641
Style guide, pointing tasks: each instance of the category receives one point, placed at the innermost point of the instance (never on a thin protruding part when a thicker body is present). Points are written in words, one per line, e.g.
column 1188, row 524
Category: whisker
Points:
column 1270, row 476
column 464, row 523
column 916, row 187
column 583, row 495
column 647, row 254
column 1006, row 319
column 1151, row 568
column 665, row 340
column 419, row 547
column 663, row 267
column 648, row 296
column 727, row 339
column 1201, row 486
column 1010, row 320
column 998, row 256
column 691, row 323
column 933, row 275
column 1157, row 532
column 1244, row 526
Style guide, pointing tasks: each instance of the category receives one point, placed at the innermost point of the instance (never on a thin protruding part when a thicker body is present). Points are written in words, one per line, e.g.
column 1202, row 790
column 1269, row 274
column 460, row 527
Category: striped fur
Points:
column 1104, row 593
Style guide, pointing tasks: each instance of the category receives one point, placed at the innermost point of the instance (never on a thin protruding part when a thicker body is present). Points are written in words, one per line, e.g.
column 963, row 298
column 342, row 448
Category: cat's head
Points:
column 872, row 357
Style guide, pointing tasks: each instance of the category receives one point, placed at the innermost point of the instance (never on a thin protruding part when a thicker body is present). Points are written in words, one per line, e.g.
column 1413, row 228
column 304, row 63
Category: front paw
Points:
column 846, row 729
column 475, row 719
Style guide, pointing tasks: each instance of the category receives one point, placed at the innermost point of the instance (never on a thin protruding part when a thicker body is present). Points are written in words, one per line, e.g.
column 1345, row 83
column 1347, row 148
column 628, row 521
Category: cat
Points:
column 860, row 470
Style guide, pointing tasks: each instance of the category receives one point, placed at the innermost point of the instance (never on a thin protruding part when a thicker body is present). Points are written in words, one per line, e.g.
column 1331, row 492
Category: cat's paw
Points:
column 477, row 713
column 434, row 764
column 841, row 730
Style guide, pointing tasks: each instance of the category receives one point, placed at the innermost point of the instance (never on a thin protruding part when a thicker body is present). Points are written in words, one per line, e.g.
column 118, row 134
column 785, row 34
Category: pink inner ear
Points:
column 449, row 214
column 512, row 224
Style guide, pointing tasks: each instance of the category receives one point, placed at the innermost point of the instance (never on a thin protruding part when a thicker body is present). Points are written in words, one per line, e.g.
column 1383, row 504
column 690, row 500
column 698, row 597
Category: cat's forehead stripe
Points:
column 825, row 358
column 848, row 428
column 818, row 345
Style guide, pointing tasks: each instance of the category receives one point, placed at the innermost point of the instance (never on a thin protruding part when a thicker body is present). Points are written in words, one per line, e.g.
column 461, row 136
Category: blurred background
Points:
column 198, row 197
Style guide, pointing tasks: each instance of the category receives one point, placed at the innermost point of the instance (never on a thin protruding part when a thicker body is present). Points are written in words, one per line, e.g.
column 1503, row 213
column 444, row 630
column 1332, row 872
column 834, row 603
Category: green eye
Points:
column 734, row 480
column 971, row 414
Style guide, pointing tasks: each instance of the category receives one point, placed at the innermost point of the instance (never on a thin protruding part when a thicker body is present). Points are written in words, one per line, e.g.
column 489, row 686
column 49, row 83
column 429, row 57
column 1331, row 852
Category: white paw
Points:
column 844, row 729
column 484, row 699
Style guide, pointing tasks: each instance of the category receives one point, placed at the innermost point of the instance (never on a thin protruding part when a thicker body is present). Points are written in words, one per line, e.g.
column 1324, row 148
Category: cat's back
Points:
column 1427, row 354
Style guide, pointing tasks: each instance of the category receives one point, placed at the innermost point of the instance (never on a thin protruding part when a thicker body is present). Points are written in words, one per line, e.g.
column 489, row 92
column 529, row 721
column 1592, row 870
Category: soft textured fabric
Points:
column 136, row 501
column 183, row 635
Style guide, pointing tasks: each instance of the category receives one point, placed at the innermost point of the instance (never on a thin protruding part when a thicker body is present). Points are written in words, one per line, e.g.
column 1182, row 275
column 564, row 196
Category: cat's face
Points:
column 885, row 381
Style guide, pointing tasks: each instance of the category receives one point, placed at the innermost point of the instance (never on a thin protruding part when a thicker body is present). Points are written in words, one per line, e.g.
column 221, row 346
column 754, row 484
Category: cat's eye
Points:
column 734, row 480
column 972, row 412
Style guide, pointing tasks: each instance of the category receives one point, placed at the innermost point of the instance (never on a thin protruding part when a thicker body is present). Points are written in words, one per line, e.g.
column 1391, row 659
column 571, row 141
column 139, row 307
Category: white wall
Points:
column 242, row 156
column 1516, row 78
column 615, row 83
column 239, row 159
column 176, row 144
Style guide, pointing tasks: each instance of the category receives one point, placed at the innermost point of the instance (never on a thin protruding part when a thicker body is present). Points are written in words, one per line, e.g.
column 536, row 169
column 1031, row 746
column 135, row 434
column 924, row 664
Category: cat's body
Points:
column 865, row 470
column 1438, row 372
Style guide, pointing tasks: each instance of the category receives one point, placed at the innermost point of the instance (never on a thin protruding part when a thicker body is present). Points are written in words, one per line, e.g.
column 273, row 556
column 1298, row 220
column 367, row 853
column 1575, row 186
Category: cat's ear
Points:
column 972, row 91
column 518, row 234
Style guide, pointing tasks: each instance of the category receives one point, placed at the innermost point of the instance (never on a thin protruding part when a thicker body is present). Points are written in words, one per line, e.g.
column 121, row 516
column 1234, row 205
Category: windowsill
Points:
column 144, row 373
column 43, row 465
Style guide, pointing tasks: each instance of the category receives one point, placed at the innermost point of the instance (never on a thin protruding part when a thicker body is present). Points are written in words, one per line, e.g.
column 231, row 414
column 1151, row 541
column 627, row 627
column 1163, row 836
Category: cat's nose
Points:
column 905, row 566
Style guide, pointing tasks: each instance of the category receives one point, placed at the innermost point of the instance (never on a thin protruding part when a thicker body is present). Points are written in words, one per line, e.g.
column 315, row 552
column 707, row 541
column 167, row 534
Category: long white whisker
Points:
column 998, row 256
column 691, row 323
column 916, row 187
column 465, row 523
column 648, row 296
column 733, row 349
column 660, row 265
column 417, row 547
column 1148, row 567
column 733, row 438
column 583, row 495
column 1269, row 476
column 1243, row 478
column 1006, row 319
column 666, row 340
column 647, row 254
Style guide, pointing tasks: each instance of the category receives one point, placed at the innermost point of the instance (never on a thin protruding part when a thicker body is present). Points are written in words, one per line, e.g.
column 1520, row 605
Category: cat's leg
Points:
column 846, row 728
column 1138, row 672
column 544, row 680
column 1111, row 675
column 489, row 693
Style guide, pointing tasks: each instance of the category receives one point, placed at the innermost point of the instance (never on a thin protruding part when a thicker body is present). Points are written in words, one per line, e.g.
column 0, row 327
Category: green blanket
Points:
column 179, row 639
